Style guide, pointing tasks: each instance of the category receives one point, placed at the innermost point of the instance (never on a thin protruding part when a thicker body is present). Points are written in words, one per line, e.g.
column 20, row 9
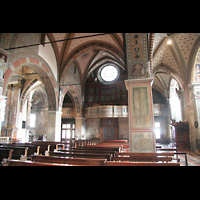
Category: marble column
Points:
column 140, row 77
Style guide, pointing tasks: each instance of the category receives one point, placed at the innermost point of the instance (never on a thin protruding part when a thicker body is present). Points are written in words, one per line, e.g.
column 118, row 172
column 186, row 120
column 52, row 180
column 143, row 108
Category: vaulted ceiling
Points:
column 175, row 60
column 169, row 60
column 85, row 51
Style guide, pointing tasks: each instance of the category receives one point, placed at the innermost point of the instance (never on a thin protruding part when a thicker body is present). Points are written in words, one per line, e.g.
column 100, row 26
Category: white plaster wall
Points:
column 47, row 53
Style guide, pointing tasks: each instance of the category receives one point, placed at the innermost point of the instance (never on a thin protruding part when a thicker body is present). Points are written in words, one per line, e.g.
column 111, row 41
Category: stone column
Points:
column 194, row 113
column 141, row 119
column 15, row 97
column 8, row 106
column 12, row 129
column 7, row 112
column 80, row 124
column 54, row 126
column 28, row 114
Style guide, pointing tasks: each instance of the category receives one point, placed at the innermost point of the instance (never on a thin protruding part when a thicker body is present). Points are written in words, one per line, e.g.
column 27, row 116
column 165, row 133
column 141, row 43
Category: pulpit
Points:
column 182, row 135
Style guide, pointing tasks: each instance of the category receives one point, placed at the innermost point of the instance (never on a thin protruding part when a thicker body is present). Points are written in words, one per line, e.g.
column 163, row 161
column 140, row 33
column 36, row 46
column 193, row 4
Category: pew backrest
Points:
column 143, row 158
column 112, row 163
column 80, row 155
column 5, row 154
column 30, row 163
column 76, row 161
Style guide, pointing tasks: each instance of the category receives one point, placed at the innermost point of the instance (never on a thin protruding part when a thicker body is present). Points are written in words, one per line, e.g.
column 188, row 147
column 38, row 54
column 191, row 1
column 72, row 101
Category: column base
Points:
column 141, row 142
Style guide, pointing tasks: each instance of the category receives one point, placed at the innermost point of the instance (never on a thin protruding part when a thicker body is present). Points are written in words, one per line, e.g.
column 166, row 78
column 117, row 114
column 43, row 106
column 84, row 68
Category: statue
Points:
column 2, row 66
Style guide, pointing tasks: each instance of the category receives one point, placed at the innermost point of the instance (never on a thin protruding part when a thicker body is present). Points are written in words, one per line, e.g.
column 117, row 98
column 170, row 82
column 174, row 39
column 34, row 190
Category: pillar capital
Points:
column 9, row 86
column 137, row 81
column 17, row 86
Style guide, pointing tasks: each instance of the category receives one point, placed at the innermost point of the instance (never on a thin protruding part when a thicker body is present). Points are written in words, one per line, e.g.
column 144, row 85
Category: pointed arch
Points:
column 75, row 94
column 43, row 71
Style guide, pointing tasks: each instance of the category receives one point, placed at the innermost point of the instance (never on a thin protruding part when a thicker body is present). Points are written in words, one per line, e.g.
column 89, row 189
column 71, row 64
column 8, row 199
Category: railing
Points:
column 4, row 139
column 106, row 111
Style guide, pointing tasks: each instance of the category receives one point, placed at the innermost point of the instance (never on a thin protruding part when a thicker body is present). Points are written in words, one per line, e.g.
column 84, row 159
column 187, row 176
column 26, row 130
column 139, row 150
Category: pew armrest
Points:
column 47, row 153
column 4, row 162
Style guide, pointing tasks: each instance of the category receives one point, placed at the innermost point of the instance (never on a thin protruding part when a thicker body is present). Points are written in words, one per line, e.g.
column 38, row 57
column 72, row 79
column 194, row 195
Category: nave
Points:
column 89, row 153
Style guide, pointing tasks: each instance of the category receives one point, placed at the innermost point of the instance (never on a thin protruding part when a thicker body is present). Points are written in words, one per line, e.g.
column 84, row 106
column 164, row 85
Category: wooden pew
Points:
column 80, row 155
column 44, row 145
column 115, row 148
column 112, row 144
column 167, row 149
column 31, row 148
column 113, row 163
column 115, row 141
column 74, row 161
column 30, row 163
column 145, row 157
column 5, row 153
column 144, row 154
column 17, row 151
column 94, row 151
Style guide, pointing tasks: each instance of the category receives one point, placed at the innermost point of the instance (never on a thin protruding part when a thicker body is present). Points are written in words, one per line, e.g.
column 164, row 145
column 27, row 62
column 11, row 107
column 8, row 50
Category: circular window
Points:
column 109, row 73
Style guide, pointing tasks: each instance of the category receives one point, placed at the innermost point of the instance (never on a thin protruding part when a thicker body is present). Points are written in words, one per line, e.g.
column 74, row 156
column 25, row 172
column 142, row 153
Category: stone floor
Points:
column 193, row 159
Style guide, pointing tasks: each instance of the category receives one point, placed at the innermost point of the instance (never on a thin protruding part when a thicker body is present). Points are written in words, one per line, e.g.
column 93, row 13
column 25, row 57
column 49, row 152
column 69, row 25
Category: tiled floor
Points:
column 192, row 158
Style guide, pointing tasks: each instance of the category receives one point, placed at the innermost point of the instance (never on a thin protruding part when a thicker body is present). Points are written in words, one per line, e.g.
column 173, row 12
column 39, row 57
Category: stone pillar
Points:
column 4, row 130
column 80, row 124
column 141, row 120
column 2, row 107
column 194, row 113
column 8, row 106
column 12, row 129
column 28, row 114
column 13, row 114
column 54, row 126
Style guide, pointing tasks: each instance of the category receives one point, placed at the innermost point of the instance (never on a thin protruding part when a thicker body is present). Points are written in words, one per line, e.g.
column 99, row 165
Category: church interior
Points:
column 137, row 92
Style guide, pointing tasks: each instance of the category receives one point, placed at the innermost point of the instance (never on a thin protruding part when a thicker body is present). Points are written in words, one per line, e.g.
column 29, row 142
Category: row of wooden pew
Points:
column 102, row 154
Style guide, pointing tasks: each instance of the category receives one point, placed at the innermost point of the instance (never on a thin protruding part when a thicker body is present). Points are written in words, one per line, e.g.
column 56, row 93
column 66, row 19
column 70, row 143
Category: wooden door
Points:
column 109, row 128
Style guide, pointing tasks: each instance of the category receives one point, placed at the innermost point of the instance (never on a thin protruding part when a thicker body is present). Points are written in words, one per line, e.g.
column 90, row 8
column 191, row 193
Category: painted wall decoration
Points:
column 137, row 55
column 197, row 67
column 140, row 107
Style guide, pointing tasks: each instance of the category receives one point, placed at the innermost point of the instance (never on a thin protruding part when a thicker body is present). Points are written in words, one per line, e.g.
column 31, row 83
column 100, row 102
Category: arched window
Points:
column 175, row 101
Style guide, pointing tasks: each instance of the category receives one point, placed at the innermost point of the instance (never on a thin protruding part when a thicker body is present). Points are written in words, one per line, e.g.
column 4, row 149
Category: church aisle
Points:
column 192, row 158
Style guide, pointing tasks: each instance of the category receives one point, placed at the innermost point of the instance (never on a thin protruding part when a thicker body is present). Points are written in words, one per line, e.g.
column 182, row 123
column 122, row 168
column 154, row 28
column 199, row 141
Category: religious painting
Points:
column 197, row 69
column 140, row 107
column 3, row 60
column 137, row 70
column 197, row 72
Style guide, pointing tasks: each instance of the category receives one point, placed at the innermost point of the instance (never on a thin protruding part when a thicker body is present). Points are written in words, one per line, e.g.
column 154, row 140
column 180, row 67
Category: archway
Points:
column 44, row 74
column 43, row 71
